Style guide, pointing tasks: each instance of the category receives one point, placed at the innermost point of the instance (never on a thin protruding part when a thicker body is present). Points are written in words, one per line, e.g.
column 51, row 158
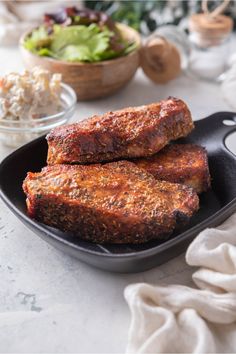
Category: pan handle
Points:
column 214, row 129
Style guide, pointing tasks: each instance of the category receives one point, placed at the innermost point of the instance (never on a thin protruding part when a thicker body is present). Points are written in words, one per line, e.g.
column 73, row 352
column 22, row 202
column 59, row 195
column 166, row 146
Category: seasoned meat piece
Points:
column 115, row 202
column 128, row 133
column 177, row 163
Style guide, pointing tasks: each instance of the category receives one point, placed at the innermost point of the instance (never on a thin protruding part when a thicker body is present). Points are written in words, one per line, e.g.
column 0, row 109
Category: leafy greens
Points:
column 78, row 43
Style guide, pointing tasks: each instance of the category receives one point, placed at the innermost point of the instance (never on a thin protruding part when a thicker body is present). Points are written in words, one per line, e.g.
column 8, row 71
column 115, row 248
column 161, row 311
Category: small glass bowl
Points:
column 17, row 133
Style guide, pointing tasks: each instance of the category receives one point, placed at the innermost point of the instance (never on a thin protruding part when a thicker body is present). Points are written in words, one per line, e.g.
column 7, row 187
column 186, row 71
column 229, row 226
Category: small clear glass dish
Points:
column 17, row 133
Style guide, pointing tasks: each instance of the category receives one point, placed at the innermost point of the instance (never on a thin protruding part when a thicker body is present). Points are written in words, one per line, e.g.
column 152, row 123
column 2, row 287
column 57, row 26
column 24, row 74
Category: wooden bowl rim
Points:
column 81, row 64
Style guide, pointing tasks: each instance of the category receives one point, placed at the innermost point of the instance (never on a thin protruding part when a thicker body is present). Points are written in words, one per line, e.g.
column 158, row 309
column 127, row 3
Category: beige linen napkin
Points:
column 180, row 319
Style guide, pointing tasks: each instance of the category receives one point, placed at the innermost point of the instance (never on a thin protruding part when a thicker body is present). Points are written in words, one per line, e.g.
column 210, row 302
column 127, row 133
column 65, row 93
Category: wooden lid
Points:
column 212, row 27
column 160, row 60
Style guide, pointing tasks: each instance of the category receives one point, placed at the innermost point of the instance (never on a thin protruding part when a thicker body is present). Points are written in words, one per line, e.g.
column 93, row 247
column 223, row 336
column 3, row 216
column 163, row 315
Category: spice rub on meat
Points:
column 127, row 133
column 115, row 202
column 180, row 163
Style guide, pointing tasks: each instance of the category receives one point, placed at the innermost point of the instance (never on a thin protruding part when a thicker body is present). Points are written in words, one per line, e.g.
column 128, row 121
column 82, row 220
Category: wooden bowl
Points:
column 91, row 80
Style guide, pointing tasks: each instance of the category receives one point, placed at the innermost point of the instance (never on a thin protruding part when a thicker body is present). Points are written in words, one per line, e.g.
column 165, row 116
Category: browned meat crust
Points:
column 177, row 163
column 116, row 202
column 128, row 133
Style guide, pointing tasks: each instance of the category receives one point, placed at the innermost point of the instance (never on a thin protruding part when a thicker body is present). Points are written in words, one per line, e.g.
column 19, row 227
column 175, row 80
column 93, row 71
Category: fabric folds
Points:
column 180, row 319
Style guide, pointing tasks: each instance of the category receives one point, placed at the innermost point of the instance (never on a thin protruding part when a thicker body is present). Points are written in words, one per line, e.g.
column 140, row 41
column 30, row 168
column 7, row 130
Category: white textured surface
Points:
column 50, row 302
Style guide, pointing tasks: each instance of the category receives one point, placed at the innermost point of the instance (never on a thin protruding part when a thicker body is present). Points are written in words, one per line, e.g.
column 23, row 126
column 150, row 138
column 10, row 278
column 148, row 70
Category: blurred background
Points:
column 144, row 16
column 174, row 42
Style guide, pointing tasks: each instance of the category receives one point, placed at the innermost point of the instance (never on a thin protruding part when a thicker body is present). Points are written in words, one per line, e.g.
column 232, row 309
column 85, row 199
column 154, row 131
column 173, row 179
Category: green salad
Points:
column 78, row 36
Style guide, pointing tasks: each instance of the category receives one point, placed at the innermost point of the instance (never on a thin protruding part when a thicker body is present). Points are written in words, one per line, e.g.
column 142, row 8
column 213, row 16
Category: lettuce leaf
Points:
column 78, row 43
column 39, row 38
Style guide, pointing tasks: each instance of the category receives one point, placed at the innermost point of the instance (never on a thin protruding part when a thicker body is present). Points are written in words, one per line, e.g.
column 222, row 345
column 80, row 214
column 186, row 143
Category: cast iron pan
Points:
column 216, row 205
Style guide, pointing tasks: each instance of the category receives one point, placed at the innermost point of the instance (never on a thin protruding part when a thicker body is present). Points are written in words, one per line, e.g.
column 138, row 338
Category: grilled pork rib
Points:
column 127, row 133
column 179, row 163
column 115, row 202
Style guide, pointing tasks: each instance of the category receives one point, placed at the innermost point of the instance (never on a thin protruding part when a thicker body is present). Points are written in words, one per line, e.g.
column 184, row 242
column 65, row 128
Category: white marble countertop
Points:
column 50, row 302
